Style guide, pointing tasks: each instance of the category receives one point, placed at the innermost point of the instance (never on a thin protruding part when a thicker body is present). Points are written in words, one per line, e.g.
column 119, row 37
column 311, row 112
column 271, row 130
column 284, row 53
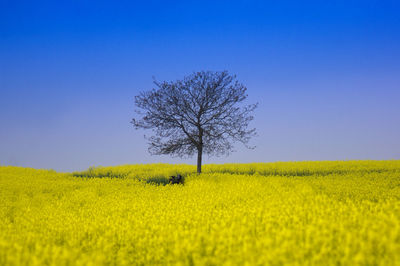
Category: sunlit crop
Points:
column 306, row 213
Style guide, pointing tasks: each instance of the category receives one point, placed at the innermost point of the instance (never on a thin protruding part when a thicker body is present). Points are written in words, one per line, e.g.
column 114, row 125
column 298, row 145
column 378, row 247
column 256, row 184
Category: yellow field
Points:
column 306, row 213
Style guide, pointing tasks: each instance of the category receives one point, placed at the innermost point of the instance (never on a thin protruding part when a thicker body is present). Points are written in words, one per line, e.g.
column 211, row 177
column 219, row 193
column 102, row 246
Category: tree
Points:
column 202, row 113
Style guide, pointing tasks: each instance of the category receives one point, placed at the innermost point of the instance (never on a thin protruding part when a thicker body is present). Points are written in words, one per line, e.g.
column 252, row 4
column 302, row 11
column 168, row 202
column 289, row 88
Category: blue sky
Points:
column 326, row 76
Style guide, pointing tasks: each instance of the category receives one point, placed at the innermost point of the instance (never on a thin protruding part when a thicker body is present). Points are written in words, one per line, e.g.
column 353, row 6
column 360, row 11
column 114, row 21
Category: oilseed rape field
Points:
column 294, row 213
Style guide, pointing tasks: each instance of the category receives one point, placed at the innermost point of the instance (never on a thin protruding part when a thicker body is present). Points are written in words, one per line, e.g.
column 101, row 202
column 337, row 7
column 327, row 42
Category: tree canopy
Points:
column 202, row 113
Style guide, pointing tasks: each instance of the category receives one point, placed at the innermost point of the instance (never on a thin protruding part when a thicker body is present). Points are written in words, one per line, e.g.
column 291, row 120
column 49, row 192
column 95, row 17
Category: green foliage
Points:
column 157, row 181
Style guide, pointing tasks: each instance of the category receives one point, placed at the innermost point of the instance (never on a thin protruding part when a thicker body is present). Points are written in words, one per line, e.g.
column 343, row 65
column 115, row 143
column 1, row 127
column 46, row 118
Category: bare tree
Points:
column 202, row 113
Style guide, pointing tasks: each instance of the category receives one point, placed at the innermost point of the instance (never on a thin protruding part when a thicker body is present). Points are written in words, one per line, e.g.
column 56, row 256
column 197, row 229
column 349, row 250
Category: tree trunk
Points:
column 199, row 157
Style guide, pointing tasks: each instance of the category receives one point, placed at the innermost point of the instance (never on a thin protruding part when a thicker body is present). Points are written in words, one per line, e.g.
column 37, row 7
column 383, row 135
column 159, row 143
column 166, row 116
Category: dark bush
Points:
column 176, row 179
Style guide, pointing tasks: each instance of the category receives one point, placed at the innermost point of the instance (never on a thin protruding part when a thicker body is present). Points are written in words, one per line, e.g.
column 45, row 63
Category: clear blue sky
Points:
column 326, row 76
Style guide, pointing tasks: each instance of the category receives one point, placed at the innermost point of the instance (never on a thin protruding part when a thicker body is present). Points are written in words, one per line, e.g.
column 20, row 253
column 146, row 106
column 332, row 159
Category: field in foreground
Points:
column 312, row 213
